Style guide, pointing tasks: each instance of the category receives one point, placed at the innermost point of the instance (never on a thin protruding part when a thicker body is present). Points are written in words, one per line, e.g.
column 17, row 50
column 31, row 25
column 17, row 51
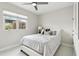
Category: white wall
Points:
column 59, row 19
column 13, row 36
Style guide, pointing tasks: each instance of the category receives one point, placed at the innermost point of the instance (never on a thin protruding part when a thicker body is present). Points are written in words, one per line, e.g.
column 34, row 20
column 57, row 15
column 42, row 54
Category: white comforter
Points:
column 43, row 44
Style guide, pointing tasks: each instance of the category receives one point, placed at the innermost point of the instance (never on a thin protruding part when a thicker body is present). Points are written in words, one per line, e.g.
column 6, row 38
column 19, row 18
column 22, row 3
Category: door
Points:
column 75, row 28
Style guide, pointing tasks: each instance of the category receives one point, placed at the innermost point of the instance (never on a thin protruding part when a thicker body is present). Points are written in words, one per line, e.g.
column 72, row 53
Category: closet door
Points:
column 75, row 18
column 75, row 28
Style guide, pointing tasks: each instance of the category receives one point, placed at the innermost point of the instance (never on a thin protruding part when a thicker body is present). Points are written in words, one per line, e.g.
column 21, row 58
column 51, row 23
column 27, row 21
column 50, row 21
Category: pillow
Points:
column 42, row 31
column 50, row 33
column 47, row 31
column 54, row 32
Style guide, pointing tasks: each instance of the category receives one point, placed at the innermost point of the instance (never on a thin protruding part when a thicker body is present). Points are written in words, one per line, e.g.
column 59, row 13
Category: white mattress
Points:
column 43, row 44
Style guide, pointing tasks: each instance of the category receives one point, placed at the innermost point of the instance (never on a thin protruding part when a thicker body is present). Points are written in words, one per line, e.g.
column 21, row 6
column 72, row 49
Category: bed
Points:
column 40, row 45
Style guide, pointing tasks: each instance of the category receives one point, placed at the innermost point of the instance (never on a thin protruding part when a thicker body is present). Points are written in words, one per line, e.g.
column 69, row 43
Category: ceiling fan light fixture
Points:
column 34, row 4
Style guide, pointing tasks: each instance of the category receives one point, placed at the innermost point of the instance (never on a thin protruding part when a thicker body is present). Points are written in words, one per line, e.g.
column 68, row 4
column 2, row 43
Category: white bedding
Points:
column 43, row 44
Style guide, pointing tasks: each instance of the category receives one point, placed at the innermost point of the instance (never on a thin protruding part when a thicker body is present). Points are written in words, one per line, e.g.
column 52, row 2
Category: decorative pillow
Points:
column 42, row 31
column 54, row 32
column 50, row 33
column 47, row 30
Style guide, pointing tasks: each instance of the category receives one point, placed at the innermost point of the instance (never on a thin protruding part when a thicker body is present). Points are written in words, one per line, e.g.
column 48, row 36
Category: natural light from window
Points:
column 14, row 20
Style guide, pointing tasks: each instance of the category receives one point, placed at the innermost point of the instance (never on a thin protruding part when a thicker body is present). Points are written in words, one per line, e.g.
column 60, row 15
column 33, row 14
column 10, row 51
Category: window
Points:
column 22, row 25
column 10, row 22
column 12, row 19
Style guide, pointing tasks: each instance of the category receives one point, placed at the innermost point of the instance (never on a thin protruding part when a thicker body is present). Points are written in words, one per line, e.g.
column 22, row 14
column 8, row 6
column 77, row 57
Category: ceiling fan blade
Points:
column 36, row 7
column 42, row 3
column 27, row 3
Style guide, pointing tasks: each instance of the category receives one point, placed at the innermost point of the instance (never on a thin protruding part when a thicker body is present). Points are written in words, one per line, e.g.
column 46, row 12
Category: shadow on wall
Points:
column 67, row 37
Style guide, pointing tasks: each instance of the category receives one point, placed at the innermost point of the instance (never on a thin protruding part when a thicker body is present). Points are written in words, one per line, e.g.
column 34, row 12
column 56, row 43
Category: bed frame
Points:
column 25, row 53
column 29, row 52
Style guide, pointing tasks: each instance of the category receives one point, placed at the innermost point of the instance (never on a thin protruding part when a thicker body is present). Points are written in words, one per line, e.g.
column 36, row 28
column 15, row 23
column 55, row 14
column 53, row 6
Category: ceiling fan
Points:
column 34, row 4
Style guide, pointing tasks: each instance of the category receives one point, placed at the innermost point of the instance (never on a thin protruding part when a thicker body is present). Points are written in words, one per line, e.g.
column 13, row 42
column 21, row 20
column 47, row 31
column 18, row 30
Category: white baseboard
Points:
column 8, row 47
column 68, row 45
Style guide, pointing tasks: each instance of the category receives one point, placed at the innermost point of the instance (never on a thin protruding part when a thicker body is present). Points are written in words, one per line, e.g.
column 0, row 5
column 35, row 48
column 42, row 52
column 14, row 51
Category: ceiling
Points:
column 51, row 6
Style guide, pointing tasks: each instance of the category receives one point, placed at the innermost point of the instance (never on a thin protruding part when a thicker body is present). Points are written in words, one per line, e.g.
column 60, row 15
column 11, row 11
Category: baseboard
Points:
column 68, row 45
column 8, row 47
